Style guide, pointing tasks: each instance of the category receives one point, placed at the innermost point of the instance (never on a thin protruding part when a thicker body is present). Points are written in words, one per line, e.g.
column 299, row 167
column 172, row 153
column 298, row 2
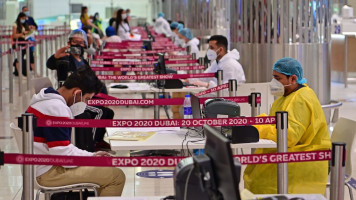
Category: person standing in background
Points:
column 29, row 21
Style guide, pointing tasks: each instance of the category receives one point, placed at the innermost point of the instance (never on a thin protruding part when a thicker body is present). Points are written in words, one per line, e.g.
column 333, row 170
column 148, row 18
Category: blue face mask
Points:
column 23, row 21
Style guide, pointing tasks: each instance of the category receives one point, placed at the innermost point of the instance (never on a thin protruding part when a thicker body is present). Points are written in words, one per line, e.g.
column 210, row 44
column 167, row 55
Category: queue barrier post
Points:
column 10, row 59
column 28, row 65
column 156, row 107
column 337, row 180
column 188, row 50
column 19, row 70
column 255, row 106
column 27, row 123
column 194, row 57
column 232, row 87
column 46, row 53
column 202, row 62
column 1, row 158
column 219, row 76
column 1, row 77
column 40, row 66
column 282, row 147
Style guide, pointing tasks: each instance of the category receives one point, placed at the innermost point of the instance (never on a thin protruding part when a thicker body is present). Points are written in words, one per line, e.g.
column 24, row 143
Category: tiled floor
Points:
column 10, row 175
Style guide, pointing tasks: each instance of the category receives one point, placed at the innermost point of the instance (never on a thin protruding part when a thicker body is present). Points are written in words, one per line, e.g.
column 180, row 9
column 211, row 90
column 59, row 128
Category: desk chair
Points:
column 39, row 83
column 345, row 131
column 17, row 133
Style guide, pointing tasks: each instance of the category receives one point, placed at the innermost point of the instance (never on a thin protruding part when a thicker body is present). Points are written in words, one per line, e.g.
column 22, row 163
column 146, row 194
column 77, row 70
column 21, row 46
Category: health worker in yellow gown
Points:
column 307, row 131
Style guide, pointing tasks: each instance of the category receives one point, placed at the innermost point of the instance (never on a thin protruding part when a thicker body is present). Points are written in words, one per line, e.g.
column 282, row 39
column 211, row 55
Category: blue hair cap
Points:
column 186, row 33
column 290, row 66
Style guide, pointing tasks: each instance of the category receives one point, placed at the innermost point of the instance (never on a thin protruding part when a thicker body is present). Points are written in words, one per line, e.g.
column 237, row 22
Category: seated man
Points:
column 307, row 131
column 63, row 103
column 221, row 59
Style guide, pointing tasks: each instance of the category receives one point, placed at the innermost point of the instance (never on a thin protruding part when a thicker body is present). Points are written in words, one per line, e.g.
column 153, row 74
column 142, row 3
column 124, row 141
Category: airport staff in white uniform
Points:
column 162, row 26
column 189, row 40
column 221, row 60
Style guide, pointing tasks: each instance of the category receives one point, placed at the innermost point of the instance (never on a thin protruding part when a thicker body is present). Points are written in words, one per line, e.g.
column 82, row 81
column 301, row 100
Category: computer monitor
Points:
column 147, row 45
column 196, row 111
column 225, row 170
column 160, row 66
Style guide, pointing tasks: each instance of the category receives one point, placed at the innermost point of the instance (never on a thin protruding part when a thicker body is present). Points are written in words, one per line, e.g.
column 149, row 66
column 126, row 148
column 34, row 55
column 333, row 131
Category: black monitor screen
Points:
column 147, row 44
column 160, row 66
column 218, row 149
column 195, row 106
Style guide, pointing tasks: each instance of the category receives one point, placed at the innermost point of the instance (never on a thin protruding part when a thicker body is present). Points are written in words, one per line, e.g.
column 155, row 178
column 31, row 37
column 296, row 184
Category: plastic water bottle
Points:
column 188, row 113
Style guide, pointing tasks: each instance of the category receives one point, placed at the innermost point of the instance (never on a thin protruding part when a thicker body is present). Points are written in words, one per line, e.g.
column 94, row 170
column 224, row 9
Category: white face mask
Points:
column 79, row 107
column 211, row 54
column 123, row 16
column 277, row 88
column 27, row 13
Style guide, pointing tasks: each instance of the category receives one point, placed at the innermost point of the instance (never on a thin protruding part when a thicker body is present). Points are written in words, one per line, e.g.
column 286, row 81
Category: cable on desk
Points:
column 185, row 138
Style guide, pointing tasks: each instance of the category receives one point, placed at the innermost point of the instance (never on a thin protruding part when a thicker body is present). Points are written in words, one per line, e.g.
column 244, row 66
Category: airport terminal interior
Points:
column 177, row 99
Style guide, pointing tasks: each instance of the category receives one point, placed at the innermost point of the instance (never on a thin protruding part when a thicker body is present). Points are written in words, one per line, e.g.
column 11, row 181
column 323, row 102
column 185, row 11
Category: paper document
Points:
column 130, row 136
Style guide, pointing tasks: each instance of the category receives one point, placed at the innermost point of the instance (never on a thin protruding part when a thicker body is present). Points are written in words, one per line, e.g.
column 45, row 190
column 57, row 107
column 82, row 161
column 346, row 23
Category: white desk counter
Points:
column 173, row 140
column 132, row 88
column 147, row 88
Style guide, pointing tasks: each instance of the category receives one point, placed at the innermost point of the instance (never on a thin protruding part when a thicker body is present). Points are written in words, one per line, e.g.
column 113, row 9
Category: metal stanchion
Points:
column 41, row 58
column 255, row 107
column 1, row 158
column 201, row 62
column 28, row 63
column 232, row 88
column 11, row 81
column 27, row 123
column 1, row 78
column 188, row 50
column 46, row 53
column 194, row 57
column 337, row 173
column 282, row 146
column 156, row 107
column 19, row 60
column 35, row 60
column 219, row 76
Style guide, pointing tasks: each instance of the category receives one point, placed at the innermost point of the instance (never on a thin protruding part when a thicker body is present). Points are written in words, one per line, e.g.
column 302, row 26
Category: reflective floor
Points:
column 10, row 175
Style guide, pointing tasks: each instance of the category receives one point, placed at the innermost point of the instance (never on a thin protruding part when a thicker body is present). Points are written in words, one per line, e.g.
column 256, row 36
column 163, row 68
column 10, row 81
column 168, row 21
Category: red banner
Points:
column 214, row 89
column 28, row 159
column 156, row 77
column 138, row 45
column 306, row 156
column 103, row 123
column 143, row 57
column 126, row 52
column 144, row 69
column 104, row 62
column 153, row 102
